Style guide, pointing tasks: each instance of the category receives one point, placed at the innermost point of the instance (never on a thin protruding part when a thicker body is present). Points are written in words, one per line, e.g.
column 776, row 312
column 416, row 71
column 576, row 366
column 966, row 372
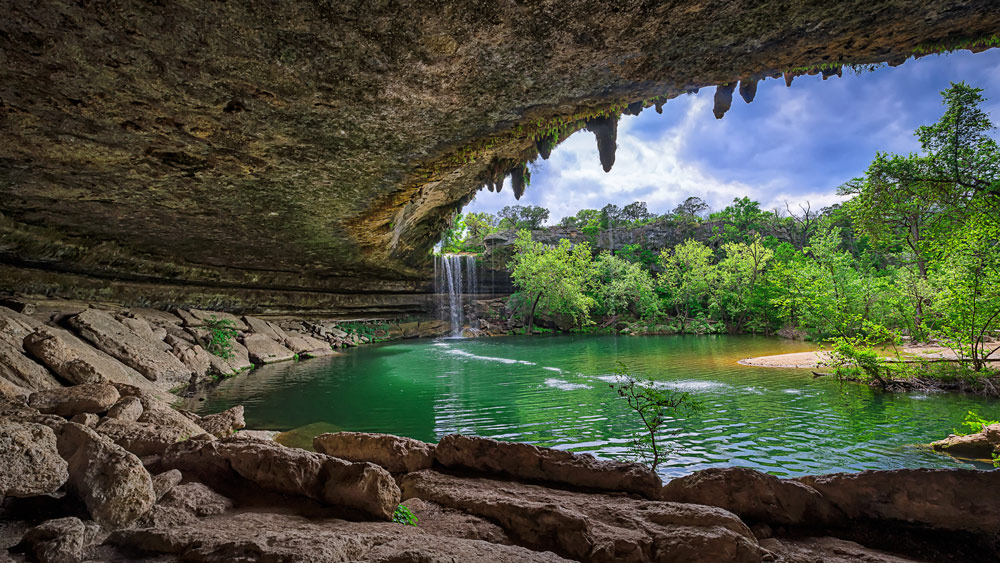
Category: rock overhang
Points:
column 226, row 154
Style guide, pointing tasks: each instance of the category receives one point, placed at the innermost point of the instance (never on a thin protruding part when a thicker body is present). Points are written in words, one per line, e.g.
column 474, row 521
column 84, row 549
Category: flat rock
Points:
column 271, row 330
column 197, row 499
column 76, row 361
column 293, row 539
column 138, row 326
column 14, row 326
column 141, row 438
column 263, row 350
column 23, row 373
column 205, row 316
column 827, row 550
column 752, row 495
column 308, row 346
column 30, row 460
column 110, row 481
column 524, row 461
column 141, row 354
column 71, row 401
column 439, row 520
column 593, row 527
column 225, row 423
column 395, row 453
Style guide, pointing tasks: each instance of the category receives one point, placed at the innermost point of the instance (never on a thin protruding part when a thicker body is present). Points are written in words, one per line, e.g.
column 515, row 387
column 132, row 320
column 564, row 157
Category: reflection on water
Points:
column 554, row 391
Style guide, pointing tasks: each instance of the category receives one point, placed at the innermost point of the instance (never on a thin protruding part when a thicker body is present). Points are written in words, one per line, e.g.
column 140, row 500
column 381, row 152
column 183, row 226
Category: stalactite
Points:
column 635, row 108
column 748, row 89
column 545, row 146
column 723, row 99
column 828, row 72
column 659, row 106
column 605, row 129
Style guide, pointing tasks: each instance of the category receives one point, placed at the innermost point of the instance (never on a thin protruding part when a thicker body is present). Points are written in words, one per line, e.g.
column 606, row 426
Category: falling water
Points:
column 452, row 294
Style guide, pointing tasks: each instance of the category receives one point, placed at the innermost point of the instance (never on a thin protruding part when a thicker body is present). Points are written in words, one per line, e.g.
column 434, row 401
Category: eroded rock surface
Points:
column 225, row 423
column 263, row 350
column 71, row 401
column 395, row 453
column 30, row 463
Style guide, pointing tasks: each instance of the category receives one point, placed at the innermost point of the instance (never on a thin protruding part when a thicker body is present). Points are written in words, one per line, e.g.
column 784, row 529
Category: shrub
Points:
column 404, row 516
column 221, row 334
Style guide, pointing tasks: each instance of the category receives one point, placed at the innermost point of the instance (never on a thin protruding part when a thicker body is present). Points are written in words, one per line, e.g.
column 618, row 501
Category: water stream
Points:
column 554, row 391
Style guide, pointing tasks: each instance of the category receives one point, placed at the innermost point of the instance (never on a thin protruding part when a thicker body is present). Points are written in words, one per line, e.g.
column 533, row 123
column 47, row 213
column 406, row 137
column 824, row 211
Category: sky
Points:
column 792, row 144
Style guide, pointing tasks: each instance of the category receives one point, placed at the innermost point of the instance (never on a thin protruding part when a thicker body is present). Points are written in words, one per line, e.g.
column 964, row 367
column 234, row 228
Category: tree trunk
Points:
column 531, row 315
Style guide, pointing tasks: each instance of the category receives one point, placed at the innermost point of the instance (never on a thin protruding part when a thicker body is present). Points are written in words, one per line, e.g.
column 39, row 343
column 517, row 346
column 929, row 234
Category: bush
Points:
column 404, row 516
column 221, row 334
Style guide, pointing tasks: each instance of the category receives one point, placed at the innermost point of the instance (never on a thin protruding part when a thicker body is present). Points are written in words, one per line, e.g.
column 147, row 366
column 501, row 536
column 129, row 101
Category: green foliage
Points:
column 655, row 408
column 405, row 516
column 555, row 279
column 986, row 41
column 221, row 333
column 974, row 423
column 374, row 331
column 623, row 286
column 520, row 217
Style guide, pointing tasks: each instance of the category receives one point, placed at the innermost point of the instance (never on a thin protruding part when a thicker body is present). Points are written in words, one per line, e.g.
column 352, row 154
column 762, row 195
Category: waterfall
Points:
column 452, row 294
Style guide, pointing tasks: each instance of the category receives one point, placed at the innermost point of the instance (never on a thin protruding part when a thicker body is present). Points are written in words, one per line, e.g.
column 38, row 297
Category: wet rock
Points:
column 592, row 527
column 605, row 129
column 723, row 99
column 225, row 423
column 57, row 541
column 30, row 460
column 360, row 486
column 395, row 453
column 524, row 461
column 197, row 499
column 293, row 539
column 941, row 499
column 110, row 481
column 263, row 350
column 752, row 495
column 980, row 445
column 164, row 482
column 75, row 361
column 126, row 409
column 141, row 354
column 71, row 401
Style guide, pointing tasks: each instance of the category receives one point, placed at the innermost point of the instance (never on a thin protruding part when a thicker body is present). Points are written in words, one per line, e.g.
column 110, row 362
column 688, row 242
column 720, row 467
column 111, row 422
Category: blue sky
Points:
column 793, row 144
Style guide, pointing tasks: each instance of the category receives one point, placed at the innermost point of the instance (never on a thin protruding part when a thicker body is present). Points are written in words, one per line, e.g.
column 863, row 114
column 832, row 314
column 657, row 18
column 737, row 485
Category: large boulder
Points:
column 30, row 460
column 363, row 487
column 395, row 453
column 111, row 482
column 21, row 372
column 75, row 361
column 593, row 527
column 225, row 423
column 269, row 329
column 140, row 438
column 255, row 536
column 752, row 495
column 126, row 409
column 59, row 541
column 524, row 461
column 980, row 445
column 141, row 354
column 71, row 401
column 263, row 350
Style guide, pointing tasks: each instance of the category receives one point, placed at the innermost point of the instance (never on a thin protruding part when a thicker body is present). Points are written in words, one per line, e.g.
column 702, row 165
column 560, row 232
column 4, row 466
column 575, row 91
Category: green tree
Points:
column 518, row 217
column 553, row 279
column 738, row 278
column 623, row 286
column 479, row 225
column 687, row 276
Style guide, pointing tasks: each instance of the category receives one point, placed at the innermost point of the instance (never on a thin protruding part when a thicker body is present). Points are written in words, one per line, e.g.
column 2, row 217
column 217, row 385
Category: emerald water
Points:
column 554, row 391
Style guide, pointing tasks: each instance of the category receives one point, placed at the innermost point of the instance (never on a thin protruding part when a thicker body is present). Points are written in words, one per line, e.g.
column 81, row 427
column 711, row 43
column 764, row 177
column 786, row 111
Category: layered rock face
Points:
column 307, row 155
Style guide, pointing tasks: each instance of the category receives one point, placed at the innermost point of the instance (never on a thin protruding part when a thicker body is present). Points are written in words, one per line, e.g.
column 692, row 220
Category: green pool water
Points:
column 554, row 391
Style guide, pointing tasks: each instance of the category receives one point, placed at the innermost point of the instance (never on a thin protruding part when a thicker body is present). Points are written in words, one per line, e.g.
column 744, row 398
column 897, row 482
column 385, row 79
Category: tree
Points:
column 636, row 212
column 611, row 216
column 691, row 209
column 518, row 217
column 454, row 234
column 740, row 221
column 479, row 225
column 738, row 277
column 557, row 279
column 687, row 275
column 623, row 286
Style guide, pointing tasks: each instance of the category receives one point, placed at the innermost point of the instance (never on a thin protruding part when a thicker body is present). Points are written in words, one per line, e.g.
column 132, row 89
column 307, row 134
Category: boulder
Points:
column 71, row 401
column 75, row 361
column 58, row 541
column 263, row 350
column 308, row 346
column 751, row 495
column 196, row 358
column 439, row 520
column 14, row 326
column 828, row 550
column 256, row 536
column 205, row 316
column 359, row 486
column 592, row 527
column 30, row 460
column 225, row 423
column 524, row 461
column 111, row 482
column 187, row 319
column 942, row 499
column 980, row 445
column 86, row 419
column 164, row 482
column 21, row 372
column 126, row 409
column 141, row 354
column 140, row 438
column 395, row 453
column 139, row 327
column 271, row 330
column 197, row 499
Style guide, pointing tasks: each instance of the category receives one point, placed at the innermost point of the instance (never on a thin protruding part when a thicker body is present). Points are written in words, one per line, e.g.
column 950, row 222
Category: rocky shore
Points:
column 98, row 466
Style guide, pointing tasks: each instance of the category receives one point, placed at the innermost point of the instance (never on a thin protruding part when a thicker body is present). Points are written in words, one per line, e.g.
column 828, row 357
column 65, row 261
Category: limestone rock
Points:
column 263, row 350
column 205, row 316
column 75, row 361
column 14, row 326
column 362, row 486
column 117, row 340
column 164, row 482
column 438, row 520
column 294, row 539
column 30, row 460
column 752, row 495
column 71, row 401
column 225, row 423
column 196, row 358
column 140, row 438
column 308, row 346
column 57, row 541
column 395, row 453
column 524, row 461
column 110, row 481
column 827, row 550
column 126, row 409
column 593, row 527
column 139, row 327
column 197, row 499
column 86, row 419
column 267, row 328
column 21, row 372
column 977, row 446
